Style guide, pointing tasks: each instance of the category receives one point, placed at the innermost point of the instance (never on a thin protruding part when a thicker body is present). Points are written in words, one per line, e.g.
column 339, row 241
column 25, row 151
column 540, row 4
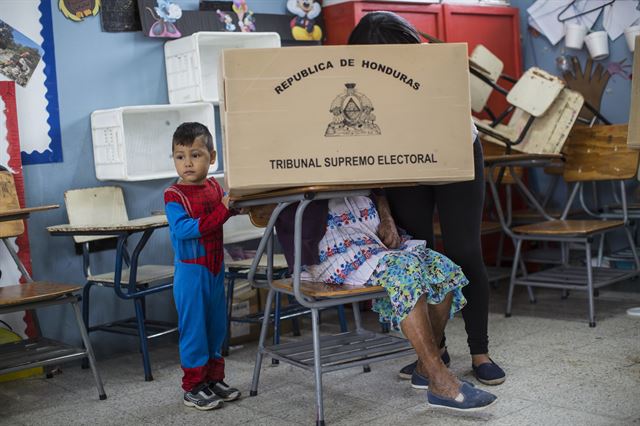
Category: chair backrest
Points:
column 239, row 228
column 9, row 201
column 480, row 91
column 535, row 91
column 95, row 206
column 549, row 132
column 599, row 153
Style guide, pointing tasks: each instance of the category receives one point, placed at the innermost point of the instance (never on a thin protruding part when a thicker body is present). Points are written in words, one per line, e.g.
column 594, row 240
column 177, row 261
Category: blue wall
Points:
column 99, row 70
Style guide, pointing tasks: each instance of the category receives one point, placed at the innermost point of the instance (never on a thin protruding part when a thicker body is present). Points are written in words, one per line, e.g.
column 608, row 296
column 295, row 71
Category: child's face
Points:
column 192, row 162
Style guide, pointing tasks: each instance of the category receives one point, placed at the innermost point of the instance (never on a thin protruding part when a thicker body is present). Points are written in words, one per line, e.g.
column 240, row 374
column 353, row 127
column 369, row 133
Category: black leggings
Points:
column 460, row 211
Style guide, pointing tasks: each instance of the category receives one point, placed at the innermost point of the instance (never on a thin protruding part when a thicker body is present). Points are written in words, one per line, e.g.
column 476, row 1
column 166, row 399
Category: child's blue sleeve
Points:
column 182, row 226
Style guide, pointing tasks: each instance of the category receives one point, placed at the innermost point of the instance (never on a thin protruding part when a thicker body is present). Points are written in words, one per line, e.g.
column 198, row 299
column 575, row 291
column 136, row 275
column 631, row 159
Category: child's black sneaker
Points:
column 224, row 391
column 202, row 398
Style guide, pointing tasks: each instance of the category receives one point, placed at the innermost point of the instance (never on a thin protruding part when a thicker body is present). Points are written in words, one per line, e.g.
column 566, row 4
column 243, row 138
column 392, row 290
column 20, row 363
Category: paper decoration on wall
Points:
column 38, row 101
column 165, row 14
column 303, row 26
column 21, row 322
column 543, row 16
column 246, row 20
column 589, row 84
column 120, row 16
column 77, row 10
column 619, row 68
column 620, row 15
column 211, row 17
column 19, row 55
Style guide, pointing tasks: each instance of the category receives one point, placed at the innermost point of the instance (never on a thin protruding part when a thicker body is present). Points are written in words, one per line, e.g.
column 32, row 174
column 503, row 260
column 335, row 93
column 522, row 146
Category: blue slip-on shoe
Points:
column 468, row 400
column 489, row 373
column 418, row 381
column 407, row 371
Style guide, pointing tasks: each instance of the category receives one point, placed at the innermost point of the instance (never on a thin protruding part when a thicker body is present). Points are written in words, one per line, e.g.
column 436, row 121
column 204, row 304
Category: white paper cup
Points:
column 597, row 44
column 630, row 33
column 574, row 35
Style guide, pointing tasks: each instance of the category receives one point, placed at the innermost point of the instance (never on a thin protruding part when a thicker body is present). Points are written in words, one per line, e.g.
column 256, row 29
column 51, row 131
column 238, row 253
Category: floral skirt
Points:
column 407, row 275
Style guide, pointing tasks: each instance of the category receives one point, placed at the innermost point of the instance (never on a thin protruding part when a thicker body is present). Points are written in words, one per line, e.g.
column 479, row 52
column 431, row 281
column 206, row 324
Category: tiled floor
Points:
column 560, row 372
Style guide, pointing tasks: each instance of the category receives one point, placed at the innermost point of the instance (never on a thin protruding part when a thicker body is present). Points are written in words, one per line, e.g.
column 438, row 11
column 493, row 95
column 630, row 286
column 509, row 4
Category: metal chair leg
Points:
column 512, row 282
column 342, row 318
column 592, row 315
column 230, row 288
column 532, row 296
column 90, row 355
column 276, row 326
column 295, row 322
column 601, row 250
column 358, row 320
column 317, row 366
column 84, row 364
column 263, row 337
column 142, row 334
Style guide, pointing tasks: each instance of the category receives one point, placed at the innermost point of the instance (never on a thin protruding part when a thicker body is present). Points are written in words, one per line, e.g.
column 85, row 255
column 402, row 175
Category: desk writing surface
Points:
column 135, row 225
column 11, row 219
column 34, row 292
column 11, row 213
column 506, row 159
column 315, row 188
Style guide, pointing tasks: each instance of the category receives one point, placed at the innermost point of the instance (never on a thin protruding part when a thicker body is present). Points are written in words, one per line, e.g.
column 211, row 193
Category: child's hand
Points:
column 225, row 201
column 388, row 233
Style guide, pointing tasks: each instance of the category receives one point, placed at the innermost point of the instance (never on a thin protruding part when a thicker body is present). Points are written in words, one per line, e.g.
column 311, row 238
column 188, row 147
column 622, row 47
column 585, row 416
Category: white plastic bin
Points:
column 133, row 143
column 192, row 62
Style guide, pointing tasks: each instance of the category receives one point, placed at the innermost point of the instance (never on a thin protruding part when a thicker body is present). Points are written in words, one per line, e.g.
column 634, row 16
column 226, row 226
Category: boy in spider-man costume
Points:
column 196, row 209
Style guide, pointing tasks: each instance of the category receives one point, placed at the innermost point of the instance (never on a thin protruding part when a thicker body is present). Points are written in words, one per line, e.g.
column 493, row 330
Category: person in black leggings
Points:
column 459, row 207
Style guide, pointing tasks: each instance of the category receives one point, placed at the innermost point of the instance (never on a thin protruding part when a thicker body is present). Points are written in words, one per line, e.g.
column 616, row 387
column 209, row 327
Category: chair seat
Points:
column 324, row 290
column 568, row 227
column 485, row 228
column 34, row 292
column 279, row 262
column 526, row 215
column 147, row 274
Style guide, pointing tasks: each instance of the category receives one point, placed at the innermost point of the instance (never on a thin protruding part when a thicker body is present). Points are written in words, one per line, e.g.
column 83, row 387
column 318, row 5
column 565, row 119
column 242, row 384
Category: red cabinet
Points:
column 495, row 27
column 340, row 19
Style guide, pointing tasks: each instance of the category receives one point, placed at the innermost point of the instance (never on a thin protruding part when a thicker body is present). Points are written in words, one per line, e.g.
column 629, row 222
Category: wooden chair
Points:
column 320, row 354
column 32, row 295
column 592, row 154
column 105, row 206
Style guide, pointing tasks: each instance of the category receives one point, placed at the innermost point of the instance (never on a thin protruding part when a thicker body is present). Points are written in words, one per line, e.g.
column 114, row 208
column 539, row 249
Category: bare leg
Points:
column 419, row 330
column 439, row 315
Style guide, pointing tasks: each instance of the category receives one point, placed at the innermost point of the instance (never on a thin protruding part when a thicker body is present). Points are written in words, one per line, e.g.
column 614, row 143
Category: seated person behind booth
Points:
column 342, row 245
column 196, row 209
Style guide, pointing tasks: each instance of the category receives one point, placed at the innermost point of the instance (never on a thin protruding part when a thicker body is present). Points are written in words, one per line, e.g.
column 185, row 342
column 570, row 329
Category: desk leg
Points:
column 230, row 287
column 142, row 334
column 89, row 349
column 86, row 293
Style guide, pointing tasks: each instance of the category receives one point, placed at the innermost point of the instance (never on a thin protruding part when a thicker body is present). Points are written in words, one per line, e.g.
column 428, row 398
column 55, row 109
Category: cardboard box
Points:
column 345, row 114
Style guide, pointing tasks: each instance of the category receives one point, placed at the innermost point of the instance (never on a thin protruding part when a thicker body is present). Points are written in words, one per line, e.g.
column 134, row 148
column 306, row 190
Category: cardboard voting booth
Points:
column 345, row 115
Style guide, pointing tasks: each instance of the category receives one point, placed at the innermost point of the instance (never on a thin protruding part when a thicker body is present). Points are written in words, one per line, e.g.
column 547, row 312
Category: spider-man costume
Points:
column 196, row 215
